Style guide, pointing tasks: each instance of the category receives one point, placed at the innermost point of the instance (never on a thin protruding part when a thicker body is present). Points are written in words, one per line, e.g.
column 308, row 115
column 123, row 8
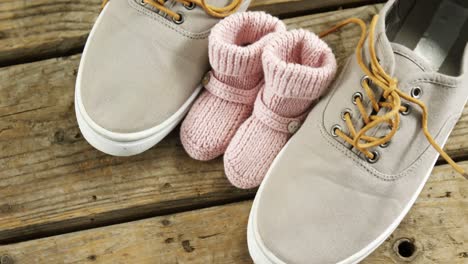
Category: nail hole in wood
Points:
column 59, row 136
column 187, row 247
column 405, row 249
column 5, row 259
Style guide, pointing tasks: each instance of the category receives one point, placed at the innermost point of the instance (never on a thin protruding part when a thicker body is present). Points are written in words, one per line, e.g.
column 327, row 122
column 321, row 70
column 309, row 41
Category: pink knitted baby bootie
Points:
column 235, row 50
column 298, row 67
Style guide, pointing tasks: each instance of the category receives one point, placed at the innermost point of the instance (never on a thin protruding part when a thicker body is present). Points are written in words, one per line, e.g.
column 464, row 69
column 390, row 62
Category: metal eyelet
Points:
column 375, row 158
column 346, row 111
column 407, row 111
column 416, row 92
column 180, row 21
column 367, row 79
column 333, row 130
column 386, row 144
column 357, row 95
column 191, row 6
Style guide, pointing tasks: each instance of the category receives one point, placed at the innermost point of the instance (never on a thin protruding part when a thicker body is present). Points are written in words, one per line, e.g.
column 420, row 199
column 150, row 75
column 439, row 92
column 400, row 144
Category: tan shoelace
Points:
column 218, row 12
column 392, row 95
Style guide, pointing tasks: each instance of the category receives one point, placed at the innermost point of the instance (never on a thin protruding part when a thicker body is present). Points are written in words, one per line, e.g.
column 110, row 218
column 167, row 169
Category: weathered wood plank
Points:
column 289, row 7
column 436, row 225
column 214, row 235
column 51, row 180
column 31, row 30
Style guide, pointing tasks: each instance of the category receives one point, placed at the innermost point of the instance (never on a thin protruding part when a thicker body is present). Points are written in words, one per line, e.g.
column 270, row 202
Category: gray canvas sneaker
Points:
column 351, row 173
column 141, row 68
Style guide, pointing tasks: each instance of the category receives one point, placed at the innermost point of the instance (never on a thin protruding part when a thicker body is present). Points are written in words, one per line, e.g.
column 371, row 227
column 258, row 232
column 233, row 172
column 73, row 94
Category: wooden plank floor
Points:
column 161, row 206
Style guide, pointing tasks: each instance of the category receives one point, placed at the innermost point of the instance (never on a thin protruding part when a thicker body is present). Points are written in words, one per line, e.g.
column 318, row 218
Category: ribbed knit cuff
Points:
column 298, row 64
column 237, row 42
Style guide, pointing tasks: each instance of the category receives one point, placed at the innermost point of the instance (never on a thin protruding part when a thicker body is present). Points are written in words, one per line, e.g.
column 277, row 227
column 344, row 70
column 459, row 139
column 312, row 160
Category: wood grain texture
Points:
column 31, row 30
column 436, row 225
column 51, row 180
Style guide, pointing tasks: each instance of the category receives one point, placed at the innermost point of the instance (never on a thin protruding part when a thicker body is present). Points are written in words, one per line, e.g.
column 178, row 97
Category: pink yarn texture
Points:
column 298, row 67
column 235, row 51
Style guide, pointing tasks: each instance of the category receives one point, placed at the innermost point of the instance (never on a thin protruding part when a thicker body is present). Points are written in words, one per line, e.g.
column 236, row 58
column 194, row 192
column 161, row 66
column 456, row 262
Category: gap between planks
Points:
column 435, row 225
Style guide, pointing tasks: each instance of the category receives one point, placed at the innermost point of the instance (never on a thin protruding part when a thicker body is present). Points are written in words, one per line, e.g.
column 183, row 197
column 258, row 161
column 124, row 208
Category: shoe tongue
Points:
column 394, row 58
column 397, row 60
column 408, row 64
column 383, row 47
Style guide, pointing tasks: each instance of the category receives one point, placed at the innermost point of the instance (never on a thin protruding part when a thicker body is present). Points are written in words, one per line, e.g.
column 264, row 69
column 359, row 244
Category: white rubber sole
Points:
column 123, row 144
column 261, row 255
column 128, row 144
